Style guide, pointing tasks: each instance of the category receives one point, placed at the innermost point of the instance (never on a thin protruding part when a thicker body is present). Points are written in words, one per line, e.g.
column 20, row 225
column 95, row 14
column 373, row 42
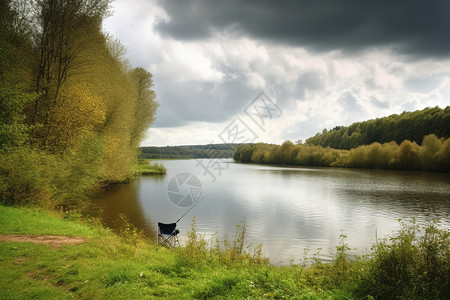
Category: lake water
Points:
column 287, row 209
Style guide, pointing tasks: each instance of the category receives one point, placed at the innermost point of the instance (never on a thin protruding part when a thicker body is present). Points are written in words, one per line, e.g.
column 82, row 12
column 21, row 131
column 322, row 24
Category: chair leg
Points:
column 169, row 242
column 166, row 243
column 162, row 241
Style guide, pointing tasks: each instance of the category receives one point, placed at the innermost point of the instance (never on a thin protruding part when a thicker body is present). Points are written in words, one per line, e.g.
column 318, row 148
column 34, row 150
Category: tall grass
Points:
column 199, row 251
column 412, row 264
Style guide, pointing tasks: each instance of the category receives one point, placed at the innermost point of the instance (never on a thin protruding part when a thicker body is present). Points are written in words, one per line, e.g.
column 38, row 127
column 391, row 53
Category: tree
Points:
column 433, row 155
column 442, row 157
column 145, row 104
column 77, row 114
column 15, row 48
column 406, row 126
column 285, row 152
column 62, row 32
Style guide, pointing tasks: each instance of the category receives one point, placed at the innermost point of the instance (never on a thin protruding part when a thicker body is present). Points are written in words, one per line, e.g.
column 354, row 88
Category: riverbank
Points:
column 128, row 266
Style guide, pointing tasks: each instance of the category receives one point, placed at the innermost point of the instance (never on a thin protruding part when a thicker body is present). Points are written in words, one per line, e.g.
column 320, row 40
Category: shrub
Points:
column 26, row 177
column 34, row 177
column 414, row 264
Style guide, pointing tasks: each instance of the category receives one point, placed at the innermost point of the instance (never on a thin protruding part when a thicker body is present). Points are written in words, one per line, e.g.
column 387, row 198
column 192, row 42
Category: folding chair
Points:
column 168, row 235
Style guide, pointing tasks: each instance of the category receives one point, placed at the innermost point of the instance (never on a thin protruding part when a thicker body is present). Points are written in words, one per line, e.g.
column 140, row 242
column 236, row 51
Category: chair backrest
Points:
column 167, row 228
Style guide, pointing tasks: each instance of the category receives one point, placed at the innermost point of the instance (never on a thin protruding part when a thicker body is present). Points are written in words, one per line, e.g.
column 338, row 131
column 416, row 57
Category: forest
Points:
column 391, row 149
column 191, row 151
column 412, row 126
column 73, row 111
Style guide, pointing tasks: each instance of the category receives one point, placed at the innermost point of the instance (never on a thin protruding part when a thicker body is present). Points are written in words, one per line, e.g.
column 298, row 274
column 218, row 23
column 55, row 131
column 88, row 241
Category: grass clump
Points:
column 144, row 167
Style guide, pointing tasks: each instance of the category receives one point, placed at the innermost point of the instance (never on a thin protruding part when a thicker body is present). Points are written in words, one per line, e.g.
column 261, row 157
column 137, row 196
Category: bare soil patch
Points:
column 55, row 241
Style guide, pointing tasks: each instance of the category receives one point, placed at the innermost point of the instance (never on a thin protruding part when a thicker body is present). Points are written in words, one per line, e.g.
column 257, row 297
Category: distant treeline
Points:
column 192, row 151
column 411, row 126
column 432, row 155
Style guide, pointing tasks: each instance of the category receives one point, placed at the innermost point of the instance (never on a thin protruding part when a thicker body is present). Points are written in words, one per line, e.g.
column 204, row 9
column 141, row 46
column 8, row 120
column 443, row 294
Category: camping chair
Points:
column 168, row 235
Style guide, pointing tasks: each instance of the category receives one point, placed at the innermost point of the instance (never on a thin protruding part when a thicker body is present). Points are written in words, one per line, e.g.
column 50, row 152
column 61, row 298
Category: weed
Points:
column 341, row 261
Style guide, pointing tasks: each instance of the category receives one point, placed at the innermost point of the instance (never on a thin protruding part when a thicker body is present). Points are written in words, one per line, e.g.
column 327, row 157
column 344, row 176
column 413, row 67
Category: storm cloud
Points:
column 415, row 27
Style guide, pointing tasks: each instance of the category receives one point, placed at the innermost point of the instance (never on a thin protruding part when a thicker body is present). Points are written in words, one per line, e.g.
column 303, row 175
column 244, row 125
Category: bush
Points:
column 26, row 177
column 33, row 177
column 414, row 264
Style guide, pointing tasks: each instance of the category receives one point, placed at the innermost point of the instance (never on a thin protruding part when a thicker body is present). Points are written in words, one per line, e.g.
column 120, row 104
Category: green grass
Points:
column 17, row 220
column 128, row 266
column 144, row 167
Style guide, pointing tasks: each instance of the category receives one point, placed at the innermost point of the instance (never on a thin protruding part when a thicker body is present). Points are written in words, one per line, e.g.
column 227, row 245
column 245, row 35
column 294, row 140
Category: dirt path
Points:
column 52, row 240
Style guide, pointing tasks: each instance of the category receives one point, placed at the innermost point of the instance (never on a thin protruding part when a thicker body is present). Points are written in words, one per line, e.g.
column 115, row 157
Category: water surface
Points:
column 287, row 209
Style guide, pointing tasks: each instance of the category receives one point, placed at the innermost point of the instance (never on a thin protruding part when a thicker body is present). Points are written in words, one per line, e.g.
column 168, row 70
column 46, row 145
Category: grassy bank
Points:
column 145, row 167
column 127, row 266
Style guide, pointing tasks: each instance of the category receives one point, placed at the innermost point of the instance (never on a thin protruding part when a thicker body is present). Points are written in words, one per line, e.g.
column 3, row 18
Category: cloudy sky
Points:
column 320, row 63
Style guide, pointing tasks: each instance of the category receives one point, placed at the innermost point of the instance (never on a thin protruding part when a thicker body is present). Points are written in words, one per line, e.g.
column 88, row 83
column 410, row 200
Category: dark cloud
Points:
column 349, row 100
column 426, row 84
column 287, row 94
column 351, row 104
column 414, row 27
column 379, row 103
column 190, row 101
column 183, row 102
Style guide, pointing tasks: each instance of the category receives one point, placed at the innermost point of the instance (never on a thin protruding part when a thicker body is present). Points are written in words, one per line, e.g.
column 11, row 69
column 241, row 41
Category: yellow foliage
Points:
column 408, row 155
column 118, row 159
column 78, row 113
column 433, row 155
column 442, row 157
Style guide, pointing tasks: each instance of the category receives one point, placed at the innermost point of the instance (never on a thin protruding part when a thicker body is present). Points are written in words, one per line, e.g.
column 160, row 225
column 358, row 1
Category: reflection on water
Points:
column 287, row 209
column 121, row 199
